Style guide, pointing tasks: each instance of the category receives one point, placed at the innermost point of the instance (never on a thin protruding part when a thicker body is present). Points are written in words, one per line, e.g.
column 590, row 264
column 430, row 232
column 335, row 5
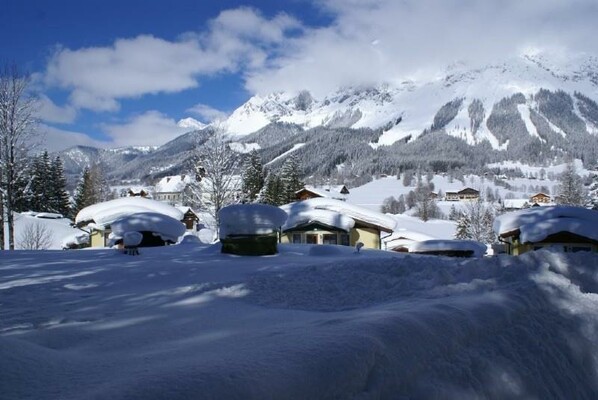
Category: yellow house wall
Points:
column 368, row 236
column 518, row 248
column 97, row 239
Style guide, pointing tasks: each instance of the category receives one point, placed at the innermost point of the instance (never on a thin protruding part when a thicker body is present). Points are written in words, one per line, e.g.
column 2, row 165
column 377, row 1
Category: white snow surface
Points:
column 174, row 183
column 183, row 322
column 355, row 212
column 166, row 227
column 103, row 214
column 58, row 230
column 327, row 217
column 478, row 249
column 250, row 219
column 537, row 223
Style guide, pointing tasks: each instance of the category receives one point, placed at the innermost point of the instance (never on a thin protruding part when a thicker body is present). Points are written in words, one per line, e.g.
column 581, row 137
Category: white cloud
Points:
column 207, row 113
column 151, row 128
column 384, row 40
column 48, row 111
column 98, row 77
column 54, row 139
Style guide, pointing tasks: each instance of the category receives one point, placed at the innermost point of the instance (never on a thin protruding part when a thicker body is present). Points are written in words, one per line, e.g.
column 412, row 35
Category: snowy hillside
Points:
column 460, row 101
column 186, row 321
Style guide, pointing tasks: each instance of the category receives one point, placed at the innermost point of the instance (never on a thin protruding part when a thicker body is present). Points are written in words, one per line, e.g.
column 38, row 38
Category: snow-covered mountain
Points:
column 464, row 102
column 191, row 124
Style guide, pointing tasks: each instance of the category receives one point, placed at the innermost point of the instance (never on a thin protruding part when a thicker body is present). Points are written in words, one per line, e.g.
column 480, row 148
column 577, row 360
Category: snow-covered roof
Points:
column 250, row 219
column 173, row 184
column 357, row 213
column 168, row 228
column 103, row 214
column 537, row 223
column 325, row 191
column 478, row 249
column 326, row 217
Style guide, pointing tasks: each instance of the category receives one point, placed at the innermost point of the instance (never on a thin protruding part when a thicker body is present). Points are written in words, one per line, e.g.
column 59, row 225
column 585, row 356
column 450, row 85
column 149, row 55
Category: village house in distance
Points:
column 338, row 192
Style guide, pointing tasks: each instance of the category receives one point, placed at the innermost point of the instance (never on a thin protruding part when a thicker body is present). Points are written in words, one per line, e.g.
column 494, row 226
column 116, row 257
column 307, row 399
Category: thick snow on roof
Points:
column 167, row 228
column 182, row 322
column 326, row 217
column 103, row 214
column 357, row 213
column 537, row 223
column 479, row 249
column 250, row 219
column 173, row 184
column 333, row 191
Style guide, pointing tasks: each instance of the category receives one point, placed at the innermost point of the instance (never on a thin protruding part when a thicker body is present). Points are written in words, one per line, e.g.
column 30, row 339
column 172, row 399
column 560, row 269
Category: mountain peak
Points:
column 191, row 123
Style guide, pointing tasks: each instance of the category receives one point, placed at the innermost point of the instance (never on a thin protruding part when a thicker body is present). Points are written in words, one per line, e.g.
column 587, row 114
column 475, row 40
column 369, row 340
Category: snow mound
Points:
column 250, row 219
column 169, row 229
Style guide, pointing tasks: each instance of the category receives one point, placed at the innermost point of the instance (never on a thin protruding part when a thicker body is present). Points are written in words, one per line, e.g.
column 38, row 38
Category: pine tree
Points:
column 84, row 193
column 41, row 183
column 274, row 190
column 290, row 176
column 253, row 177
column 570, row 190
column 59, row 197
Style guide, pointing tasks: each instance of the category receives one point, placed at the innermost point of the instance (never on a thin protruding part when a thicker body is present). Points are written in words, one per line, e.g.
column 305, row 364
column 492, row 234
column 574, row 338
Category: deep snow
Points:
column 311, row 322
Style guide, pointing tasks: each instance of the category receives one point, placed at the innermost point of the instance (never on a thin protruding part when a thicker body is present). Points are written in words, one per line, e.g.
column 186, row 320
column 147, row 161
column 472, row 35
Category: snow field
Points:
column 186, row 321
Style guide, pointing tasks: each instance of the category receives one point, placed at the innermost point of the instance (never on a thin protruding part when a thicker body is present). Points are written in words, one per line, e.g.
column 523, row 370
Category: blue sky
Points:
column 118, row 73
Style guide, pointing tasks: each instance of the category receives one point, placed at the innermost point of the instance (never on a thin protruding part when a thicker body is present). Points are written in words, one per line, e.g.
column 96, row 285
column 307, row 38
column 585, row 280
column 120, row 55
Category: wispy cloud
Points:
column 207, row 113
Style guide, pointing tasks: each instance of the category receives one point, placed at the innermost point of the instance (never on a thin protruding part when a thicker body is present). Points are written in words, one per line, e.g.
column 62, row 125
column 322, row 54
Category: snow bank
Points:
column 169, row 229
column 478, row 249
column 373, row 325
column 536, row 223
column 250, row 219
column 103, row 214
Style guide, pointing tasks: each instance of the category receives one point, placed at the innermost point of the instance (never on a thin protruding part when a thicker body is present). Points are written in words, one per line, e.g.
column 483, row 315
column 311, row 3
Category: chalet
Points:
column 97, row 219
column 338, row 192
column 539, row 198
column 190, row 218
column 563, row 228
column 137, row 192
column 330, row 221
column 462, row 195
column 173, row 189
column 451, row 196
column 468, row 194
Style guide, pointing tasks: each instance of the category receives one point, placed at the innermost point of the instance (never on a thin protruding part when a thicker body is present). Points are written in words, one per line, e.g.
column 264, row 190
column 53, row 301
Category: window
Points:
column 345, row 240
column 575, row 249
column 329, row 238
column 296, row 238
column 311, row 238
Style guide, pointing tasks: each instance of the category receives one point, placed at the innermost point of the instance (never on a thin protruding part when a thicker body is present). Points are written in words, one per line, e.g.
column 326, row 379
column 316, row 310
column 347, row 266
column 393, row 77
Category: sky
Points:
column 115, row 74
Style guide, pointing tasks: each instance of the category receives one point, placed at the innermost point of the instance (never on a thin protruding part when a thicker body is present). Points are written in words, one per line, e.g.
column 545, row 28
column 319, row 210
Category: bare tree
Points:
column 475, row 222
column 217, row 170
column 17, row 127
column 35, row 236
